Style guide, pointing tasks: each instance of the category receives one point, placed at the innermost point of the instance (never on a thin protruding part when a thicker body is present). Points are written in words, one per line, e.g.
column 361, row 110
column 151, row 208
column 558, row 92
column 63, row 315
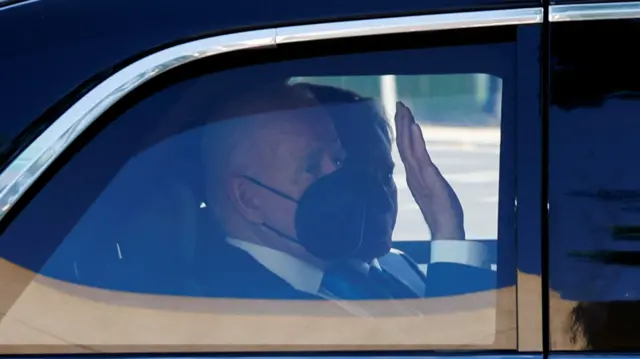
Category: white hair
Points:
column 227, row 147
column 231, row 138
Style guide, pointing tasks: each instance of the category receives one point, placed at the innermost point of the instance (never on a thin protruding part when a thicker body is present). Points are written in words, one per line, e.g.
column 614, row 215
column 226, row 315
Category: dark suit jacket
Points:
column 229, row 272
column 224, row 271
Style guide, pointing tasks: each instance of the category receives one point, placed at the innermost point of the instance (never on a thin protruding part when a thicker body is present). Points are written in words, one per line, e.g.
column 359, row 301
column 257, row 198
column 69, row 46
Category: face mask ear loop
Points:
column 280, row 233
column 270, row 189
column 281, row 194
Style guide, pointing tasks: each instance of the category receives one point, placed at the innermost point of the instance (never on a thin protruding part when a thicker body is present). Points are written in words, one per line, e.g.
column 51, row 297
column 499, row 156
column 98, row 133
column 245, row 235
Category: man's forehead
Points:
column 309, row 124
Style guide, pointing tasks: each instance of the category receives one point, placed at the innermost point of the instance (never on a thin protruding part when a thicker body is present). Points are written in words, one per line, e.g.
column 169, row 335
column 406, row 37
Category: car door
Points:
column 107, row 210
column 592, row 190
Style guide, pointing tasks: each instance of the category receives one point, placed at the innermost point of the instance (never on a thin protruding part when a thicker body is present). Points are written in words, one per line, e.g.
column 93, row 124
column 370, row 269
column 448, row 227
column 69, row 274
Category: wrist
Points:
column 450, row 232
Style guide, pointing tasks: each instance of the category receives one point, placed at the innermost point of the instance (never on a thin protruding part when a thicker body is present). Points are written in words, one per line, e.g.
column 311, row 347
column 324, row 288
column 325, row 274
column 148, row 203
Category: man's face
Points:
column 378, row 163
column 297, row 150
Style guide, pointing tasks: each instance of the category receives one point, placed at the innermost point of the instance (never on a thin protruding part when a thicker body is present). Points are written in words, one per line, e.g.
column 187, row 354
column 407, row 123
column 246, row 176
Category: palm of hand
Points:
column 438, row 202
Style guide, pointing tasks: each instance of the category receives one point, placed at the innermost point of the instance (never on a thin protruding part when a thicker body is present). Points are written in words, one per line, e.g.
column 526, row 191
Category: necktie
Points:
column 348, row 283
column 394, row 286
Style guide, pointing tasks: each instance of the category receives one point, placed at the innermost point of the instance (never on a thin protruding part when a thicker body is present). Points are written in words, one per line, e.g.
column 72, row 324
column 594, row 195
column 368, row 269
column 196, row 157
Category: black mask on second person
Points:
column 338, row 214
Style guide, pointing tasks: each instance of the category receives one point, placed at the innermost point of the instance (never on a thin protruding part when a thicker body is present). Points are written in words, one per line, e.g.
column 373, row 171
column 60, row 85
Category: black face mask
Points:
column 339, row 214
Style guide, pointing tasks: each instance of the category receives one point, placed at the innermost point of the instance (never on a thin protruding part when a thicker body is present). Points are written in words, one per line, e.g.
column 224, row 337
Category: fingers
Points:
column 410, row 140
column 418, row 145
column 414, row 132
column 403, row 123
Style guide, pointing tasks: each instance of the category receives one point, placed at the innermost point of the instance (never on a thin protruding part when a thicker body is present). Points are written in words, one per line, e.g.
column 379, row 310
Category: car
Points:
column 528, row 108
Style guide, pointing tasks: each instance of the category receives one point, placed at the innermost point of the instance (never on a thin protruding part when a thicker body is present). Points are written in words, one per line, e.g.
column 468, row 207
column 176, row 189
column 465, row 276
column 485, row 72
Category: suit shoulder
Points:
column 232, row 273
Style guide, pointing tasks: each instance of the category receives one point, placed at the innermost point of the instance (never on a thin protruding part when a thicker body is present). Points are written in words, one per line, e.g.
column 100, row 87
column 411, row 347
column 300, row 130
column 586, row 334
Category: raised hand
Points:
column 438, row 202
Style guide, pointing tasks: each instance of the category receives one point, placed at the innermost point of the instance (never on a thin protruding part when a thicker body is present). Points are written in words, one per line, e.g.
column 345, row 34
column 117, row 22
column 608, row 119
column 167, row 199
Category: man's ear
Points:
column 245, row 197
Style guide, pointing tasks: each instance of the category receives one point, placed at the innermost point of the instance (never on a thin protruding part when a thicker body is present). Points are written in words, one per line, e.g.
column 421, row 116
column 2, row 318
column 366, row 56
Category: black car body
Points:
column 552, row 102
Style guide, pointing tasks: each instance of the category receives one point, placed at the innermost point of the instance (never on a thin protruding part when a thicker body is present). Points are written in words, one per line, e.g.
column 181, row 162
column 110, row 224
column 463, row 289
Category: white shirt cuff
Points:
column 472, row 253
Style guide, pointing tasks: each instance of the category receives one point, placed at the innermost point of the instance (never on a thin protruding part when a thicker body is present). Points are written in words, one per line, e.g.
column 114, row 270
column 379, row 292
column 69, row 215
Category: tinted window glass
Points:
column 593, row 187
column 304, row 203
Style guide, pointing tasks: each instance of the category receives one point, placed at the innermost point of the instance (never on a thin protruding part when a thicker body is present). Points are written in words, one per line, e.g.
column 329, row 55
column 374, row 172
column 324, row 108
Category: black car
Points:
column 118, row 184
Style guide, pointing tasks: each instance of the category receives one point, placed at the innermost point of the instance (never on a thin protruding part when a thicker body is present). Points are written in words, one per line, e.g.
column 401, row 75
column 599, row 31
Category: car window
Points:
column 593, row 188
column 336, row 200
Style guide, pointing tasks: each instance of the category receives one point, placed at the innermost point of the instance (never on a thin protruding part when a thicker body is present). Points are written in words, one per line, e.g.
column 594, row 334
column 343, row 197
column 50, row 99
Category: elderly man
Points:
column 308, row 203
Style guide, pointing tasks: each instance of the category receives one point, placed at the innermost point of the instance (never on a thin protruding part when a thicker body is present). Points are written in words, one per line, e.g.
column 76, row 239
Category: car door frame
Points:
column 55, row 139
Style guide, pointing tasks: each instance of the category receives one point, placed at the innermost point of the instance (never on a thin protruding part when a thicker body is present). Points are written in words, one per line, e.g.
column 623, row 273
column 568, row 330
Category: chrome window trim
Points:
column 39, row 155
column 407, row 24
column 596, row 11
column 9, row 4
